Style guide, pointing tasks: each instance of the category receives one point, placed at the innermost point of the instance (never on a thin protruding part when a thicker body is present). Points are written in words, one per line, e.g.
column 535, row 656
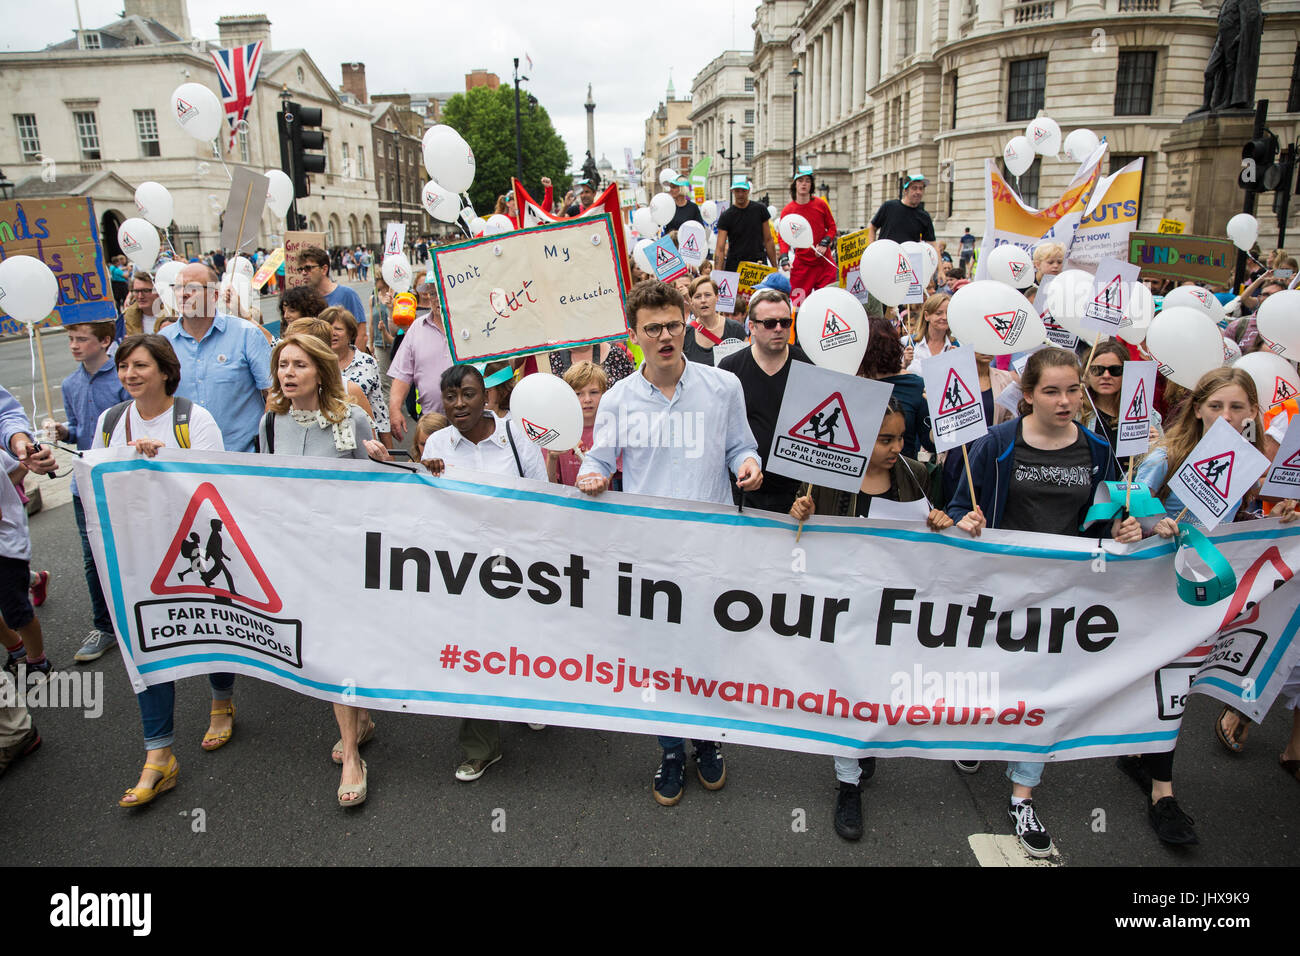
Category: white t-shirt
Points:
column 492, row 455
column 204, row 433
column 1277, row 430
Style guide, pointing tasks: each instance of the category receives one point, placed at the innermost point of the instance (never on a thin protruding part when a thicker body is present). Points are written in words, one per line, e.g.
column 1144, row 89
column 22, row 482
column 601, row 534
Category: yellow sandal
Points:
column 215, row 741
column 143, row 795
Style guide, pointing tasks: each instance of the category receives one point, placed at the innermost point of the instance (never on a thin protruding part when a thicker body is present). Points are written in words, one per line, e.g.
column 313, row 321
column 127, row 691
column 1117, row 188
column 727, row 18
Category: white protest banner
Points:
column 827, row 426
column 694, row 244
column 728, row 283
column 552, row 286
column 847, row 656
column 1133, row 434
column 853, row 282
column 394, row 238
column 1111, row 296
column 1282, row 478
column 1109, row 219
column 882, row 509
column 665, row 261
column 952, row 390
column 915, row 290
column 1219, row 470
column 1057, row 334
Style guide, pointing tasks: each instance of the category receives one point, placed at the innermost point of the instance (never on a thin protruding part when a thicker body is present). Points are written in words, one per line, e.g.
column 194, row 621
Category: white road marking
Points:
column 1004, row 849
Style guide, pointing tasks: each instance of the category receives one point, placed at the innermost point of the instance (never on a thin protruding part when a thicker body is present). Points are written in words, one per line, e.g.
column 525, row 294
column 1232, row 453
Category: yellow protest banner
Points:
column 1171, row 227
column 751, row 274
column 849, row 249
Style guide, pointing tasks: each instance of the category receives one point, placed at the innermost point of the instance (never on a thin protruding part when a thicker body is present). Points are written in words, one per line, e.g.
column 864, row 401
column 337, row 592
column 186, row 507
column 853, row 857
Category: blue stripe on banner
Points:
column 659, row 717
column 1269, row 667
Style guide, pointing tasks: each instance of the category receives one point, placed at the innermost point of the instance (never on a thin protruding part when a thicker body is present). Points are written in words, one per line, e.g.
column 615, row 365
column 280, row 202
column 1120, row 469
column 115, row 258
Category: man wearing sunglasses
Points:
column 763, row 370
column 681, row 431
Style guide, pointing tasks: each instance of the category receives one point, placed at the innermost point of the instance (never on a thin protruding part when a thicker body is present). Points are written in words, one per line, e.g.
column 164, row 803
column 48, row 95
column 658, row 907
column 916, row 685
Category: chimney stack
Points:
column 354, row 81
column 244, row 29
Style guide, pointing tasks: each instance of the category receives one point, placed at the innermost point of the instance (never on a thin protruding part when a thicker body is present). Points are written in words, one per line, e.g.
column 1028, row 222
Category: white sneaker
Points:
column 536, row 726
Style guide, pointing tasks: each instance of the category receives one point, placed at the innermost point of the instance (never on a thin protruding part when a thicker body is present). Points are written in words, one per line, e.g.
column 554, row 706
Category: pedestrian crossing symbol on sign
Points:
column 691, row 245
column 1112, row 296
column 724, row 290
column 1017, row 269
column 828, row 425
column 538, row 434
column 1137, row 409
column 904, row 270
column 1282, row 390
column 1293, row 461
column 1008, row 325
column 1107, row 307
column 663, row 257
column 858, row 287
column 836, row 332
column 956, row 395
column 1217, row 472
column 184, row 111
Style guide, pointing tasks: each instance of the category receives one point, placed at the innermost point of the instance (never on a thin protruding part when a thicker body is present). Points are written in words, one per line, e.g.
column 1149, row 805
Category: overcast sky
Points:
column 428, row 47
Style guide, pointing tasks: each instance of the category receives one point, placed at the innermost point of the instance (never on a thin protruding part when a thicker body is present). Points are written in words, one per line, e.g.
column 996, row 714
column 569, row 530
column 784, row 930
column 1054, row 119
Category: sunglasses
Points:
column 770, row 324
column 657, row 329
column 1115, row 371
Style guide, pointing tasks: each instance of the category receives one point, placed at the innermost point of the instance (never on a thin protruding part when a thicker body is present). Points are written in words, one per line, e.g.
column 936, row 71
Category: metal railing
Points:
column 1035, row 11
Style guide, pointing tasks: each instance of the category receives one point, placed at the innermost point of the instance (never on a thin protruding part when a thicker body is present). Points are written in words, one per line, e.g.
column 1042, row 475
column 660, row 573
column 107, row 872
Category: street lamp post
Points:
column 6, row 187
column 794, row 75
column 519, row 150
column 729, row 154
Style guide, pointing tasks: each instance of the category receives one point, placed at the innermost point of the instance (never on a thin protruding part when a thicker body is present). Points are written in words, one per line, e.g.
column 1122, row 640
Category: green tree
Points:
column 486, row 118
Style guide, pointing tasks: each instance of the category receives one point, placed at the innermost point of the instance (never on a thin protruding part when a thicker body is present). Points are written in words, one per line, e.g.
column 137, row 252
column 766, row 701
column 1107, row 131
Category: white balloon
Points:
column 197, row 111
column 1045, row 135
column 796, row 231
column 164, row 282
column 396, row 270
column 28, row 289
column 666, row 176
column 1011, row 265
column 1067, row 297
column 1275, row 378
column 1243, row 230
column 1019, row 155
column 139, row 241
column 1232, row 352
column 692, row 243
column 886, row 271
column 1137, row 317
column 1080, row 144
column 239, row 275
column 1186, row 343
column 155, row 203
column 548, row 411
column 832, row 329
column 643, row 223
column 1278, row 320
column 477, row 225
column 774, row 214
column 640, row 258
column 994, row 318
column 1194, row 297
column 709, row 211
column 279, row 192
column 497, row 224
column 662, row 209
column 927, row 254
column 441, row 204
column 448, row 158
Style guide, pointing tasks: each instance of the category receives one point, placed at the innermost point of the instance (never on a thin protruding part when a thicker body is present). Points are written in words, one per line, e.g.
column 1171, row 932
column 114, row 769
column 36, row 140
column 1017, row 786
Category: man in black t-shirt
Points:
column 686, row 210
column 743, row 231
column 904, row 220
column 763, row 370
column 586, row 196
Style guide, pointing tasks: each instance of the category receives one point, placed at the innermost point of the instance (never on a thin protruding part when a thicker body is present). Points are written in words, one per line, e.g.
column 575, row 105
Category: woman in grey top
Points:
column 308, row 414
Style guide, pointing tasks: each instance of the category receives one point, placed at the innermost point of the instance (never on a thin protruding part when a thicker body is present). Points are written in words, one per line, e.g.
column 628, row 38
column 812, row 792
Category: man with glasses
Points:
column 142, row 306
column 314, row 266
column 763, row 370
column 643, row 419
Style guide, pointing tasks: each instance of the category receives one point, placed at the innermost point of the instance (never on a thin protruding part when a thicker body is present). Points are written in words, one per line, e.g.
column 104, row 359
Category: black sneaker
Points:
column 848, row 811
column 1171, row 824
column 1132, row 766
column 12, row 662
column 670, row 778
column 1033, row 835
column 710, row 765
column 868, row 767
column 38, row 673
column 967, row 766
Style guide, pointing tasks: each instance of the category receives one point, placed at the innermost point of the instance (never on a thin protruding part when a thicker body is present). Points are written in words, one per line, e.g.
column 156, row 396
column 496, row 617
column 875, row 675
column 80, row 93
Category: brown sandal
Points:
column 1235, row 742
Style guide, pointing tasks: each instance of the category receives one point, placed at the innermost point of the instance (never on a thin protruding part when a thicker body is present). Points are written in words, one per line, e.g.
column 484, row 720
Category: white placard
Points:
column 855, row 286
column 952, row 389
column 1220, row 469
column 1111, row 296
column 727, row 283
column 827, row 426
column 1282, row 478
column 915, row 290
column 1057, row 334
column 883, row 509
column 1133, row 432
column 1009, row 398
column 394, row 238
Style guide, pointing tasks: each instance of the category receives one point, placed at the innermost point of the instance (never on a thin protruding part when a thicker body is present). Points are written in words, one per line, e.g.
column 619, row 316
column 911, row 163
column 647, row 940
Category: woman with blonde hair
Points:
column 358, row 368
column 308, row 414
column 931, row 335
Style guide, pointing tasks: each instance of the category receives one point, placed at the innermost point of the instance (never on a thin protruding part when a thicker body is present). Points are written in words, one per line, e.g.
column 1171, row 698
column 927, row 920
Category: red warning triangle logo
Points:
column 956, row 395
column 1201, row 296
column 1217, row 472
column 904, row 269
column 196, row 562
column 1293, row 461
column 536, row 433
column 690, row 245
column 1282, row 390
column 183, row 110
column 1246, row 585
column 663, row 257
column 1112, row 296
column 1138, row 410
column 857, row 288
column 833, row 325
column 1002, row 323
column 827, row 425
column 1017, row 269
column 724, row 289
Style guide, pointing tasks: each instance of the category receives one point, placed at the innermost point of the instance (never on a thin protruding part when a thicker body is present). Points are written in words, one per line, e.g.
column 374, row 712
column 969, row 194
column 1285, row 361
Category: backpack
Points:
column 181, row 410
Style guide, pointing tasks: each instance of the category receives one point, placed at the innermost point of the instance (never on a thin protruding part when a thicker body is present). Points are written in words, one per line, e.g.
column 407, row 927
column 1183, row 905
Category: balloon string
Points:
column 229, row 175
column 31, row 344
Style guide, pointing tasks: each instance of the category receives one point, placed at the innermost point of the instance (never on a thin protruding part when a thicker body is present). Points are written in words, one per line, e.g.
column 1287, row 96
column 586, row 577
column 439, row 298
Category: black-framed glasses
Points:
column 656, row 329
column 770, row 324
column 1114, row 371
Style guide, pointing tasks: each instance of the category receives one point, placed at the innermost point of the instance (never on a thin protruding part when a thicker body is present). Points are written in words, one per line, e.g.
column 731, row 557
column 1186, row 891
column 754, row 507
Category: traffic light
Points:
column 297, row 137
column 1259, row 173
column 302, row 223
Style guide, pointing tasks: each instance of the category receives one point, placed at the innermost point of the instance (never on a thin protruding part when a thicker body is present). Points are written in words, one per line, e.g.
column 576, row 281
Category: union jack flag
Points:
column 237, row 70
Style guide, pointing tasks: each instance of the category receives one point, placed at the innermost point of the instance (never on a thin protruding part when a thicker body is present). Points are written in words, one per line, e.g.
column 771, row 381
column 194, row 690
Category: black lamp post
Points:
column 6, row 187
column 794, row 75
column 729, row 154
column 519, row 149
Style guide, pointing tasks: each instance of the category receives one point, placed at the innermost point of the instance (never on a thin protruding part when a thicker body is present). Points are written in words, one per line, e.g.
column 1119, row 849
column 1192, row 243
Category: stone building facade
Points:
column 721, row 92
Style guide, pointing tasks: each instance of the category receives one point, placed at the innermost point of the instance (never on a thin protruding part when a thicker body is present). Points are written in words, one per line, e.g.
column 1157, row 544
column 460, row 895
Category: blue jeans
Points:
column 1027, row 773
column 158, row 704
column 98, row 606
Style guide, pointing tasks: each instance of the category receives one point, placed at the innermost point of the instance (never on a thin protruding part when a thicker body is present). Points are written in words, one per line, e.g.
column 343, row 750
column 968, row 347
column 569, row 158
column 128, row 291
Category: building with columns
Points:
column 723, row 117
column 890, row 88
